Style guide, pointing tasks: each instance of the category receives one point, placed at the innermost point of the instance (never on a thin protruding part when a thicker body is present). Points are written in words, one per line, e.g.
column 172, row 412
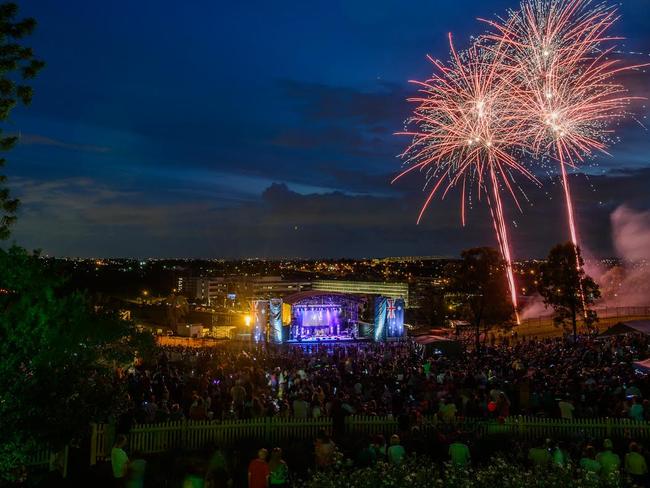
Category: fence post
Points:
column 608, row 427
column 184, row 433
column 93, row 444
column 66, row 453
column 267, row 429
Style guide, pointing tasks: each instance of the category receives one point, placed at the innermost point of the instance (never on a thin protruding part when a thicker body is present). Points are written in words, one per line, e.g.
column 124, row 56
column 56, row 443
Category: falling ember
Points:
column 465, row 130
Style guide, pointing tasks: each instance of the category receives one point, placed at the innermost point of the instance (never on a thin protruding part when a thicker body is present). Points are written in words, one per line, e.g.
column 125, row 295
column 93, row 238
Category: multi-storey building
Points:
column 207, row 290
column 387, row 289
column 265, row 287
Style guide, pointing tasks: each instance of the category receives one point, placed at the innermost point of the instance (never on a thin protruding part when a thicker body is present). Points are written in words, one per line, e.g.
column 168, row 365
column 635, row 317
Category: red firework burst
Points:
column 561, row 56
column 543, row 83
column 465, row 132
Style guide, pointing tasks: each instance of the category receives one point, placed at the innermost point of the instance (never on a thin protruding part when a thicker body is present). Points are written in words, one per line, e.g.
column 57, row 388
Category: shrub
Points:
column 423, row 473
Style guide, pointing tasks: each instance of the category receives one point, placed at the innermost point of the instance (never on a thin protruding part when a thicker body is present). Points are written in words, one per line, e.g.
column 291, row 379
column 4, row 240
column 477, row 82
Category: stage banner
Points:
column 389, row 318
column 286, row 314
column 395, row 317
column 380, row 318
column 260, row 319
column 275, row 320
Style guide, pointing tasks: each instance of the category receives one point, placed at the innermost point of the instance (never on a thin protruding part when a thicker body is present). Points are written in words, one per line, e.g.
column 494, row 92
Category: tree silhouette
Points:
column 564, row 286
column 58, row 354
column 17, row 66
column 480, row 284
column 177, row 309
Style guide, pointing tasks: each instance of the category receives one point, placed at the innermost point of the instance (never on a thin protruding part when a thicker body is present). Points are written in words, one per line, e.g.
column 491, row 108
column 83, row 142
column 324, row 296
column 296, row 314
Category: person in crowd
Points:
column 459, row 454
column 609, row 461
column 238, row 395
column 324, row 449
column 258, row 471
column 380, row 447
column 194, row 476
column 566, row 408
column 588, row 461
column 120, row 461
column 503, row 405
column 636, row 409
column 137, row 469
column 198, row 410
column 218, row 474
column 447, row 410
column 300, row 408
column 395, row 452
column 540, row 456
column 279, row 471
column 635, row 464
column 560, row 455
column 368, row 454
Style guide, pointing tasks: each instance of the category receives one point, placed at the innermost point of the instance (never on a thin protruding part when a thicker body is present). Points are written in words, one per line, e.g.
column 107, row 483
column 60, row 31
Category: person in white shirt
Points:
column 119, row 460
column 566, row 408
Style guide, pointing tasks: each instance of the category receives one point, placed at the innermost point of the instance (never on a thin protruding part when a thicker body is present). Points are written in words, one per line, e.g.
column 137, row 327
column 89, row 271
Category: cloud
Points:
column 331, row 137
column 39, row 140
column 386, row 106
column 81, row 216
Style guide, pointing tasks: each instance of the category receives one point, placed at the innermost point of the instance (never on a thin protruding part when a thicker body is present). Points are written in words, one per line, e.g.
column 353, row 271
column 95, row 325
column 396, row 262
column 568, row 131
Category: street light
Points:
column 247, row 320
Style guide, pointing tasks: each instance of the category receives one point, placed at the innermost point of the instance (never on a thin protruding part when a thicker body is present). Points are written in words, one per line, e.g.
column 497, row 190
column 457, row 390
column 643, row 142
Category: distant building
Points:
column 190, row 330
column 386, row 289
column 207, row 290
column 265, row 287
column 275, row 286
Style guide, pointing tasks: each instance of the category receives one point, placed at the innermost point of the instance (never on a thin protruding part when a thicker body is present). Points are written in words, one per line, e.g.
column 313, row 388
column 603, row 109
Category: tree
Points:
column 17, row 66
column 432, row 310
column 58, row 354
column 564, row 286
column 177, row 309
column 480, row 283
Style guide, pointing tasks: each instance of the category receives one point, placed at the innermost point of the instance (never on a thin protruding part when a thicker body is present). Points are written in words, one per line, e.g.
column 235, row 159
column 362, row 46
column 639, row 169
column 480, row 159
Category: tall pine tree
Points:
column 18, row 66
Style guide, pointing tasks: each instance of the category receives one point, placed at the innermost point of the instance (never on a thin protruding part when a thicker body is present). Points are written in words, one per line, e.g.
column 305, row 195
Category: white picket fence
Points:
column 54, row 460
column 192, row 434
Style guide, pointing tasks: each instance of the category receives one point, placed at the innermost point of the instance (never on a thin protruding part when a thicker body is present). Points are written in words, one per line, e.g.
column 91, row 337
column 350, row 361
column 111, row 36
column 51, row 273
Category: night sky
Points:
column 265, row 129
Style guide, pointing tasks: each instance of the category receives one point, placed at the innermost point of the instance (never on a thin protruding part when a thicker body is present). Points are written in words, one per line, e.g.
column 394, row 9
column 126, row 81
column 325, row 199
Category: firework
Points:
column 541, row 84
column 465, row 131
column 565, row 77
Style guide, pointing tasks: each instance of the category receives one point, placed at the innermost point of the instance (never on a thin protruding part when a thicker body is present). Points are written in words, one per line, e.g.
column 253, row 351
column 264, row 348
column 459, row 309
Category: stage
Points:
column 327, row 340
column 323, row 317
column 317, row 317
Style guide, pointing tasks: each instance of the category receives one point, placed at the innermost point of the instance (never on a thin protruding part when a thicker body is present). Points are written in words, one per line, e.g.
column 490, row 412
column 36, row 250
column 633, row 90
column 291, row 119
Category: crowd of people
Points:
column 594, row 377
column 268, row 469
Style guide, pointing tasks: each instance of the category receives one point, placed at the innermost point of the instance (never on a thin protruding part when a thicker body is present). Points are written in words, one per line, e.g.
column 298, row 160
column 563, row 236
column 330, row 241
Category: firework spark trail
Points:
column 541, row 84
column 572, row 226
column 503, row 238
column 466, row 129
column 566, row 80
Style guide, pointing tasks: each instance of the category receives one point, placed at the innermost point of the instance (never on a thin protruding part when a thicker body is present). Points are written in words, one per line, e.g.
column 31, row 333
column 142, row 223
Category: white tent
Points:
column 642, row 365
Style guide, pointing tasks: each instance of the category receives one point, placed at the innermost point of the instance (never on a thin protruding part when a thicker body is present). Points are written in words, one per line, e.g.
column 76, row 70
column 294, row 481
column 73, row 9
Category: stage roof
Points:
column 642, row 365
column 639, row 326
column 304, row 295
column 430, row 339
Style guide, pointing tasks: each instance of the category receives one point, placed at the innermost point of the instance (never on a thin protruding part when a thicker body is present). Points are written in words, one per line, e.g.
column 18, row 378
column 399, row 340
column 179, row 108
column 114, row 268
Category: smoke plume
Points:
column 626, row 284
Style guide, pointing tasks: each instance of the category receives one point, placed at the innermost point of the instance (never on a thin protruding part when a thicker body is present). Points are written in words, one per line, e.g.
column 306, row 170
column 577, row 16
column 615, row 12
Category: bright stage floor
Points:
column 327, row 340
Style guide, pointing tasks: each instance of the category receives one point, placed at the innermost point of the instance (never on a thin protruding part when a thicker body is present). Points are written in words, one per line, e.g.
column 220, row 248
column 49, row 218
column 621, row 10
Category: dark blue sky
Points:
column 227, row 129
